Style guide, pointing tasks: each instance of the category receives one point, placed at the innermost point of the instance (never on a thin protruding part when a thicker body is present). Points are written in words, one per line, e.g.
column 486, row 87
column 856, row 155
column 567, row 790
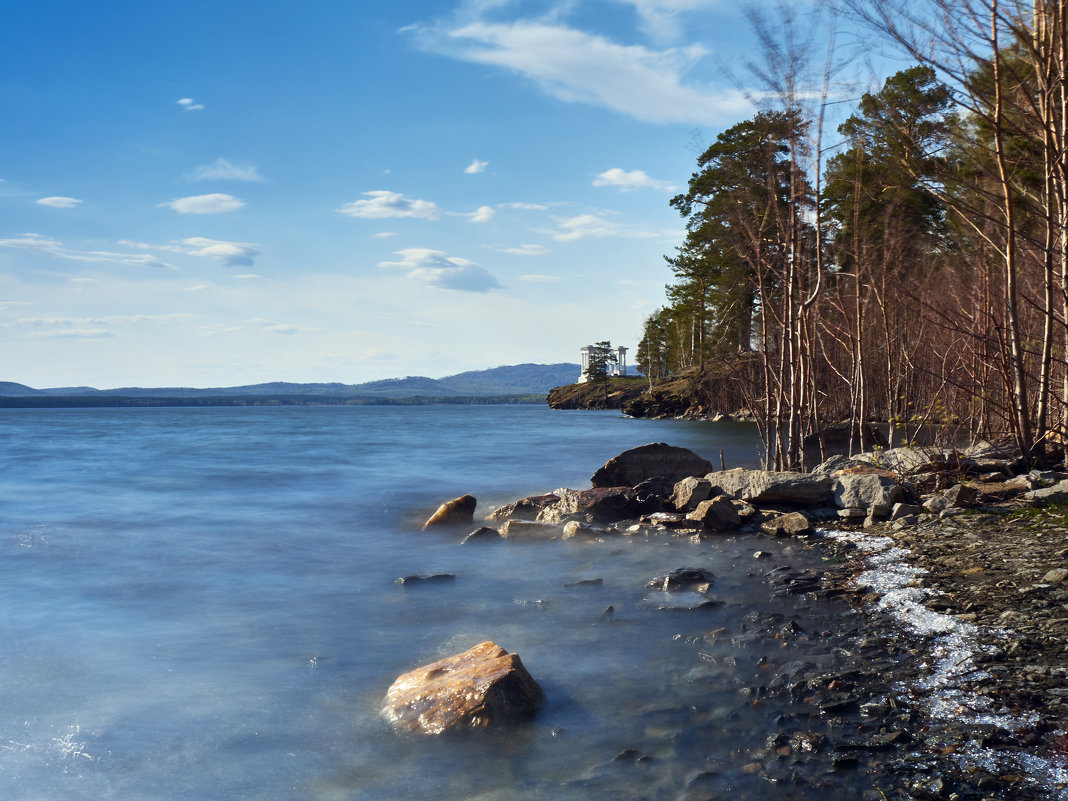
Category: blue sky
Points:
column 219, row 193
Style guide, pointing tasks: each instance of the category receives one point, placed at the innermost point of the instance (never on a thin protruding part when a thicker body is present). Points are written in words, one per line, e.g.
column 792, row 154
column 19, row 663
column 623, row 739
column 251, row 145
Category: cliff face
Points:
column 717, row 389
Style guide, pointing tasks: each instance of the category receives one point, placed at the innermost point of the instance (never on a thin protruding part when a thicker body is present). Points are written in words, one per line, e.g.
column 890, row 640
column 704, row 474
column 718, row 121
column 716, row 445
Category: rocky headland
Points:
column 949, row 574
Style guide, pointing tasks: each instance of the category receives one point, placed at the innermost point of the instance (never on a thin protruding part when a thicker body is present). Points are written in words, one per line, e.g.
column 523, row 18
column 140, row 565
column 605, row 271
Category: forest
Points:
column 905, row 264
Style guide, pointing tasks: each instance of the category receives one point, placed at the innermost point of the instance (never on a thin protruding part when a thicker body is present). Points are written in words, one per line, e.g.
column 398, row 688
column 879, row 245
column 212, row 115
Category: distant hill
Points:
column 519, row 379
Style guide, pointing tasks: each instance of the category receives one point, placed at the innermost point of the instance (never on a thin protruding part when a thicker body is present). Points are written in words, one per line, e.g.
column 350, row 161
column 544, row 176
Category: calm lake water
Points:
column 200, row 604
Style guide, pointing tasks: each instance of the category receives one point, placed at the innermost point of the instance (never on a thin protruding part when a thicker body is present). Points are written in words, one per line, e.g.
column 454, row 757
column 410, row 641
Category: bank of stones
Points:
column 983, row 544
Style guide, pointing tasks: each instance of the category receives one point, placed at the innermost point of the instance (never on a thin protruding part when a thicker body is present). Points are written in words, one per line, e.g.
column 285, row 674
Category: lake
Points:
column 201, row 604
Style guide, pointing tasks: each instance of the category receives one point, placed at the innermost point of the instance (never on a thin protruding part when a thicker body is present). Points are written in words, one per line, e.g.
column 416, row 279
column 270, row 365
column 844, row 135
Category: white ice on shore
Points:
column 952, row 645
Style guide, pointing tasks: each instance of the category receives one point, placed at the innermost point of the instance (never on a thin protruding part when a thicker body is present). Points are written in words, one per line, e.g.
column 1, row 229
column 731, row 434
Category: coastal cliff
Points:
column 694, row 393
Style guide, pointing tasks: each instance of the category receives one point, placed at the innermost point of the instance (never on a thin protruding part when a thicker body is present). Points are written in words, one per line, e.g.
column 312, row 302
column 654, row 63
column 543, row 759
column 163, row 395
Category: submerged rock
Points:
column 480, row 688
column 458, row 510
column 482, row 534
column 694, row 579
column 656, row 459
column 426, row 578
column 527, row 530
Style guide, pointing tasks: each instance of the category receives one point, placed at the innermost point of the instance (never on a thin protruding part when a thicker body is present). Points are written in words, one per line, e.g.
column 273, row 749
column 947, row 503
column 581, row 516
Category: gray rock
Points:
column 865, row 490
column 657, row 459
column 901, row 510
column 961, row 496
column 935, row 504
column 852, row 513
column 691, row 491
column 1058, row 493
column 1055, row 576
column 762, row 486
column 905, row 461
column 426, row 578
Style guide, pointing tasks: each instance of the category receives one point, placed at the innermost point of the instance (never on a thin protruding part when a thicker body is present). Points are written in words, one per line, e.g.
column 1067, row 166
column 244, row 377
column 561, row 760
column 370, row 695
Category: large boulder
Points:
column 657, row 459
column 864, row 490
column 598, row 505
column 458, row 510
column 480, row 688
column 766, row 487
column 906, row 461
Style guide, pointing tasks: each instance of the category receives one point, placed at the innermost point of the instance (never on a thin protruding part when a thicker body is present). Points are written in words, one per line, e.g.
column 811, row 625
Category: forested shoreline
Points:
column 908, row 267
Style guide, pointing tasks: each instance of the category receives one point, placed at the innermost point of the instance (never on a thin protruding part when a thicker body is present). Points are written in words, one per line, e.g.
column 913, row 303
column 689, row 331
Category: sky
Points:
column 222, row 193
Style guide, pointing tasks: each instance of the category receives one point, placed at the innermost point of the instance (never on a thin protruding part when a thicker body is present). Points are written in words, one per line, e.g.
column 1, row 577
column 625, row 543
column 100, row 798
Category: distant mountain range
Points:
column 513, row 380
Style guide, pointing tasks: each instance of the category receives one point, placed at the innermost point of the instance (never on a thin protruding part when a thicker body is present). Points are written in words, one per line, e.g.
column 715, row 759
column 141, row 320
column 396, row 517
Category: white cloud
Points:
column 475, row 167
column 523, row 206
column 577, row 67
column 659, row 17
column 50, row 247
column 540, row 279
column 383, row 235
column 59, row 202
column 215, row 203
column 73, row 333
column 441, row 271
column 223, row 170
column 382, row 204
column 229, row 254
column 187, row 104
column 247, row 276
column 483, row 215
column 629, row 181
column 524, row 250
column 581, row 226
column 195, row 288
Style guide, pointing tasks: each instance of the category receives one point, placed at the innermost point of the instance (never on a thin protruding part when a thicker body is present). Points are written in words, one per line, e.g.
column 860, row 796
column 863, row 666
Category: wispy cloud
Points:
column 73, row 333
column 660, row 17
column 188, row 104
column 229, row 254
column 475, row 167
column 51, row 247
column 523, row 206
column 215, row 203
column 629, row 181
column 381, row 204
column 522, row 250
column 59, row 202
column 570, row 229
column 437, row 269
column 578, row 67
column 384, row 235
column 223, row 170
column 534, row 278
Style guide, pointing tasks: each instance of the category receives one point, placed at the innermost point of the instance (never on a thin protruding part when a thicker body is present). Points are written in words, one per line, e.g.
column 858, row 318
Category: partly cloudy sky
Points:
column 198, row 194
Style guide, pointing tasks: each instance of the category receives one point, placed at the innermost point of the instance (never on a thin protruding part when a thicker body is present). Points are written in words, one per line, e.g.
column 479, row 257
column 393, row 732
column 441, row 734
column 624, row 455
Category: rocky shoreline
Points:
column 945, row 671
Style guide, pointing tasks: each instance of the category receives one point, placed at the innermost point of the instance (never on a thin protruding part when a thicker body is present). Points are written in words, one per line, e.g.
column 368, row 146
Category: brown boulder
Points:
column 792, row 524
column 717, row 514
column 481, row 688
column 656, row 459
column 527, row 530
column 458, row 510
column 598, row 505
column 525, row 508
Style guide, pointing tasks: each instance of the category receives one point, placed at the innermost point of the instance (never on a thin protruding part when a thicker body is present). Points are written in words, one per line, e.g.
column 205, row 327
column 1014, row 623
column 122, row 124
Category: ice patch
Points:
column 952, row 648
